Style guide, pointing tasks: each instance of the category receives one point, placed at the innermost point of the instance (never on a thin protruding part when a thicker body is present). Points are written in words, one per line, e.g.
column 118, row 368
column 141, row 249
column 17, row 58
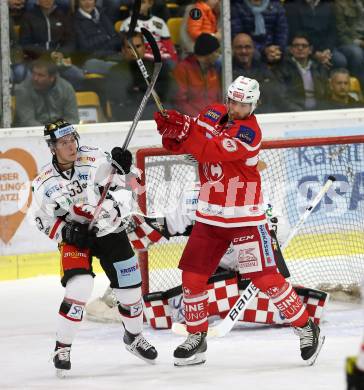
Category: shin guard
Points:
column 284, row 298
column 78, row 291
column 195, row 299
column 130, row 308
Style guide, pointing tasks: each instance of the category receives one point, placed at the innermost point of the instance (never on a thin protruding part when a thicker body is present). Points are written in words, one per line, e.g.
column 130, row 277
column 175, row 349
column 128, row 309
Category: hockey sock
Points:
column 130, row 308
column 78, row 291
column 284, row 297
column 195, row 299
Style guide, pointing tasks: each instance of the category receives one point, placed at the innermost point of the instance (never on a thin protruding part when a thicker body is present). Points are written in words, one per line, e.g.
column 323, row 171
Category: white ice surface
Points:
column 246, row 359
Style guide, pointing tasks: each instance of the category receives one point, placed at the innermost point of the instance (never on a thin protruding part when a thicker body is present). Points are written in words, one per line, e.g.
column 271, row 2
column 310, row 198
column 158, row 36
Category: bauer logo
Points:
column 17, row 169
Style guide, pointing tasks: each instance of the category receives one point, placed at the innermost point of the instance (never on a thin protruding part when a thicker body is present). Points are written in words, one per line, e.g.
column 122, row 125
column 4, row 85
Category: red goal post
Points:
column 327, row 253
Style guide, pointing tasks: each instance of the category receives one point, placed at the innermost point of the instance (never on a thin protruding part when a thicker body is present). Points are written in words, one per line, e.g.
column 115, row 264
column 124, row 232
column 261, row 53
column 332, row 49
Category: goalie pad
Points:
column 162, row 308
column 262, row 310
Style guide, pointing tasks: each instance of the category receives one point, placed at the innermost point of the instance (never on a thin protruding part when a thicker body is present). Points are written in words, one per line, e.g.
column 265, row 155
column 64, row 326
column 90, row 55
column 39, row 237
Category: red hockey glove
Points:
column 173, row 124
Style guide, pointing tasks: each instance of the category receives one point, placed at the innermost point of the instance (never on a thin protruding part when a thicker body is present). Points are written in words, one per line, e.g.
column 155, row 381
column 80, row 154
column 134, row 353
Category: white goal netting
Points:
column 328, row 251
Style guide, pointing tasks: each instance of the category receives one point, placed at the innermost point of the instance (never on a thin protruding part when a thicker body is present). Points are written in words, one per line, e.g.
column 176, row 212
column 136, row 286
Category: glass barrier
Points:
column 72, row 59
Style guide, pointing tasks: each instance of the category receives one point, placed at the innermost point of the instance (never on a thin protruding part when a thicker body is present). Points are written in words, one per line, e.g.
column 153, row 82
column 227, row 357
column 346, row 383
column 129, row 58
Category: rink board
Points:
column 163, row 257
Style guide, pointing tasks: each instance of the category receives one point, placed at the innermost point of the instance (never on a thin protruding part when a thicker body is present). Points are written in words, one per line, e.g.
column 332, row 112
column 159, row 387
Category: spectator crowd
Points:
column 306, row 55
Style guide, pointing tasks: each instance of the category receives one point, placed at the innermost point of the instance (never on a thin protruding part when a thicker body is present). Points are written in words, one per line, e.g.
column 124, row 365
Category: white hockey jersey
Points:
column 61, row 197
column 160, row 32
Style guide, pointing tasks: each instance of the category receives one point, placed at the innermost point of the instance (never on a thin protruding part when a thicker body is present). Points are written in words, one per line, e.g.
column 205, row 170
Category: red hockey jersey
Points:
column 227, row 152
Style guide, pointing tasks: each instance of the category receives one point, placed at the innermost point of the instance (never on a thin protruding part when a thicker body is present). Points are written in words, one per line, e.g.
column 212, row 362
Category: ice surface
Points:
column 248, row 358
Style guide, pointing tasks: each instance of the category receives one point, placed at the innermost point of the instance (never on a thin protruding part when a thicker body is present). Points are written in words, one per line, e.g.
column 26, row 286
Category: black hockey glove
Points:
column 121, row 160
column 77, row 234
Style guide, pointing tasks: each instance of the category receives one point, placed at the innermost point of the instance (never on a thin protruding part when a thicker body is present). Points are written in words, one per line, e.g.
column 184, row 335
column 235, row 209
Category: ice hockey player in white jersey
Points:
column 66, row 193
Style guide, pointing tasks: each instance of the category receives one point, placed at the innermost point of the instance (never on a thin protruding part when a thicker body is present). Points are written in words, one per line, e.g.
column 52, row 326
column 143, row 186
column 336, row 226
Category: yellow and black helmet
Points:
column 58, row 129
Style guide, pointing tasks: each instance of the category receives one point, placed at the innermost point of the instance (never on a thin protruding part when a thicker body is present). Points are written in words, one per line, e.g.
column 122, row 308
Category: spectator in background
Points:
column 97, row 42
column 350, row 30
column 317, row 19
column 273, row 98
column 198, row 81
column 125, row 86
column 339, row 91
column 203, row 19
column 160, row 31
column 265, row 21
column 44, row 97
column 18, row 68
column 16, row 10
column 200, row 17
column 305, row 78
column 46, row 29
column 65, row 5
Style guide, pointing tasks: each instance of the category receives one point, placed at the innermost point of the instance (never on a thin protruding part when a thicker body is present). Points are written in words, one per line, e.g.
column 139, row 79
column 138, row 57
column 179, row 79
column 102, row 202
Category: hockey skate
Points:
column 62, row 359
column 140, row 347
column 310, row 341
column 354, row 376
column 192, row 351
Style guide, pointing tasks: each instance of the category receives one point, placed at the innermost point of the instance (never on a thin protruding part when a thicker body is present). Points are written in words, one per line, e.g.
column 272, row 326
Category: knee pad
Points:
column 79, row 288
column 284, row 297
column 194, row 283
column 129, row 301
column 78, row 291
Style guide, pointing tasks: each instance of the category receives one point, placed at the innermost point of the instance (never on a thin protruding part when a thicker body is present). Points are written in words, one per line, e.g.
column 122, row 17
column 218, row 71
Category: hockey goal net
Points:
column 328, row 251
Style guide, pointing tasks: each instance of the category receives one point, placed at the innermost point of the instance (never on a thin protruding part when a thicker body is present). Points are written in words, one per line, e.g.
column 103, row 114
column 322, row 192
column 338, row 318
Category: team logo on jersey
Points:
column 213, row 171
column 157, row 24
column 246, row 134
column 213, row 115
column 248, row 257
column 229, row 144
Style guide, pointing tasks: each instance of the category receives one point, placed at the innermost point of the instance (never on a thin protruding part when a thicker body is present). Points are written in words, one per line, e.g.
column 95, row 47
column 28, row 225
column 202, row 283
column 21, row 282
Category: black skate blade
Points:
column 311, row 361
column 149, row 361
column 61, row 373
column 194, row 360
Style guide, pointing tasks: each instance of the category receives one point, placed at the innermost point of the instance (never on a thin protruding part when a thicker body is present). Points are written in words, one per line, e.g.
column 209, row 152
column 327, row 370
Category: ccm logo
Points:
column 242, row 239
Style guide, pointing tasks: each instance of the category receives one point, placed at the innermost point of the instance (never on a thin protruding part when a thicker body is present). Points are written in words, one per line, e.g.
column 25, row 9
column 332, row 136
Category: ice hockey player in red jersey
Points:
column 226, row 140
column 66, row 193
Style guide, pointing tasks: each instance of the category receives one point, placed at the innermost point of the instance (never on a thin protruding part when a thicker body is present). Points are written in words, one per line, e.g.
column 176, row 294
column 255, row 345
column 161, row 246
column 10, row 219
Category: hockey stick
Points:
column 247, row 296
column 156, row 71
column 149, row 37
